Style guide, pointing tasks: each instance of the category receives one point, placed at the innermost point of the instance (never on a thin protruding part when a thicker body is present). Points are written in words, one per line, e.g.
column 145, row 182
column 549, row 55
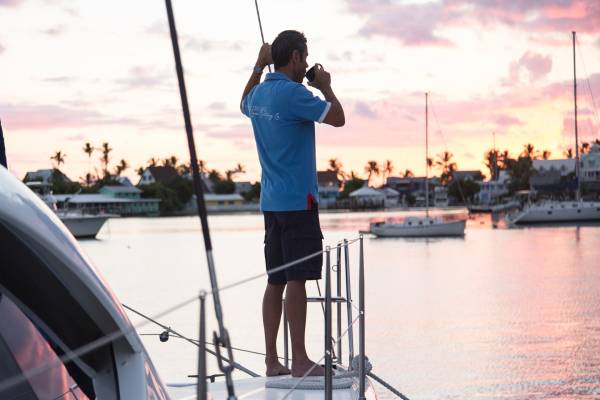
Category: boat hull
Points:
column 83, row 227
column 558, row 212
column 451, row 228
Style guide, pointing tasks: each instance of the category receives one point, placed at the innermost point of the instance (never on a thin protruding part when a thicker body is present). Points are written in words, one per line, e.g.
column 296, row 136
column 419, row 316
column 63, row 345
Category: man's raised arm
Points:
column 264, row 59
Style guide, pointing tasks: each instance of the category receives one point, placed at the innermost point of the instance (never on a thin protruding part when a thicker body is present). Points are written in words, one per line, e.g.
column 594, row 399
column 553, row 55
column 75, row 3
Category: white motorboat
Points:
column 419, row 227
column 422, row 226
column 83, row 226
column 578, row 210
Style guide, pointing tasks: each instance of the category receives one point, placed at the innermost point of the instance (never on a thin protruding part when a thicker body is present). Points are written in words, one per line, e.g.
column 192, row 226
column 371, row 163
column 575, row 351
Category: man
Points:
column 283, row 114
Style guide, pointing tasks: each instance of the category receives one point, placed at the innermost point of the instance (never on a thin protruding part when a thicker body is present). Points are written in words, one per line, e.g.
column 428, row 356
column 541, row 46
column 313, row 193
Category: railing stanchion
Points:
column 338, row 264
column 286, row 354
column 348, row 303
column 361, row 326
column 201, row 386
column 328, row 344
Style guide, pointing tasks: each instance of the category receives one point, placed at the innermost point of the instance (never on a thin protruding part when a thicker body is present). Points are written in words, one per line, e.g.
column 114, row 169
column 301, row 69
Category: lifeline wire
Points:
column 91, row 346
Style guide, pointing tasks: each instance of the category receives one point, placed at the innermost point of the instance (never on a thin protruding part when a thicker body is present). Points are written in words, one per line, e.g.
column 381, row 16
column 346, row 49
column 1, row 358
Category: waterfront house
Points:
column 491, row 192
column 46, row 176
column 157, row 174
column 474, row 175
column 412, row 186
column 367, row 197
column 391, row 197
column 232, row 202
column 119, row 200
column 328, row 187
column 590, row 167
column 243, row 187
column 553, row 176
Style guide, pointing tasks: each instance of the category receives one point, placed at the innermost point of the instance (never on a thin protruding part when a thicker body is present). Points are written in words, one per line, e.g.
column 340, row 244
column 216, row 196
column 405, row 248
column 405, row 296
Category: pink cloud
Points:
column 412, row 24
column 507, row 121
column 534, row 66
column 2, row 49
column 588, row 129
column 43, row 117
column 10, row 3
column 417, row 24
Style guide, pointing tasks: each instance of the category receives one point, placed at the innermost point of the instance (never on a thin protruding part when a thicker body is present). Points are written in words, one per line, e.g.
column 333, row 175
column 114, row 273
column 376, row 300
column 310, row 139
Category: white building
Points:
column 491, row 192
column 590, row 165
column 391, row 197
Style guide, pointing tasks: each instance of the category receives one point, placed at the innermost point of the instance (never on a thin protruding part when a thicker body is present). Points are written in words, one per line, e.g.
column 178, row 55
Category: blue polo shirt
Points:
column 283, row 115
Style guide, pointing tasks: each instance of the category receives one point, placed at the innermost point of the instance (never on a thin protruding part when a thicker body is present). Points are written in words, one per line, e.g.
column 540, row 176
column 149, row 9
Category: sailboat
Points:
column 561, row 211
column 419, row 226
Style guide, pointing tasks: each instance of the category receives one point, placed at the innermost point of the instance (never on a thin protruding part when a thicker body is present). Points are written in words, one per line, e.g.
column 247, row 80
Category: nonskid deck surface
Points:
column 254, row 388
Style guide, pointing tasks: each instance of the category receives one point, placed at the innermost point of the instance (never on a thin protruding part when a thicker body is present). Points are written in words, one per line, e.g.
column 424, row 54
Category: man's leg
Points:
column 271, row 309
column 295, row 306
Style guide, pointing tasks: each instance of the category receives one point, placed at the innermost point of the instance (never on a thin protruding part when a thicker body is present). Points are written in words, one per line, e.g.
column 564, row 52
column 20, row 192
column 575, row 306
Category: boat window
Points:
column 23, row 347
column 549, row 212
column 420, row 223
column 578, row 211
column 430, row 222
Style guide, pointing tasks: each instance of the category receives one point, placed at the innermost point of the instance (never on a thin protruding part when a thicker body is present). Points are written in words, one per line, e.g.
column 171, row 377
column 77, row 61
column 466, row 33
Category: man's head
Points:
column 289, row 52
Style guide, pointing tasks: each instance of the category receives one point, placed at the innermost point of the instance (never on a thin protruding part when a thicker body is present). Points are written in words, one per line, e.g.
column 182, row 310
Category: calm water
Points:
column 500, row 314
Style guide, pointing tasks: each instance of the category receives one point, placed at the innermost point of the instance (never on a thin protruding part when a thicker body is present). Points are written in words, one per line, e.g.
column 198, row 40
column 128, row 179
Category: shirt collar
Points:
column 276, row 76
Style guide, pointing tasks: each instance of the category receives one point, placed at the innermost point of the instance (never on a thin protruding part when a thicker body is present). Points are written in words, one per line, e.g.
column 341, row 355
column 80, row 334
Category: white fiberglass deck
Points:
column 254, row 388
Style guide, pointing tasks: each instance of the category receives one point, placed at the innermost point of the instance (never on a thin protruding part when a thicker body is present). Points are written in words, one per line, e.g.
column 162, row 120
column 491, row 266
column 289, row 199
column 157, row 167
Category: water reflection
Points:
column 502, row 313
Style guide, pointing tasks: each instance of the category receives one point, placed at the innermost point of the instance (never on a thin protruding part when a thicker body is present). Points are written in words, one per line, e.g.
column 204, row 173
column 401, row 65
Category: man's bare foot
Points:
column 301, row 368
column 276, row 368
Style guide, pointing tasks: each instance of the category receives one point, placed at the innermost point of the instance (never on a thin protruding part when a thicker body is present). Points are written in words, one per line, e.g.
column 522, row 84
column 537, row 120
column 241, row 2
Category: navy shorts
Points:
column 290, row 235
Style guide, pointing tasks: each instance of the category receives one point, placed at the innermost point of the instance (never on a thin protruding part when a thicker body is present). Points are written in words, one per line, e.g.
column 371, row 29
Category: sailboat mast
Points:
column 576, row 136
column 426, row 157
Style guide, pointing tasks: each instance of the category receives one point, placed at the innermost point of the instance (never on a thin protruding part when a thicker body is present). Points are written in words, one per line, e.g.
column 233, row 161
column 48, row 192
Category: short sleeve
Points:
column 305, row 106
column 245, row 101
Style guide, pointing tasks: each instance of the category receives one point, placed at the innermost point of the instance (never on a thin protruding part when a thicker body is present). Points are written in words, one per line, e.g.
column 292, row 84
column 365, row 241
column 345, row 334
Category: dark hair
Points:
column 284, row 45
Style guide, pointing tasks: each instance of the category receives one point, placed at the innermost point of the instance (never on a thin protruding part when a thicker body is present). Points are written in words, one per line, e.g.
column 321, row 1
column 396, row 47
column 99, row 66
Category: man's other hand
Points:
column 264, row 56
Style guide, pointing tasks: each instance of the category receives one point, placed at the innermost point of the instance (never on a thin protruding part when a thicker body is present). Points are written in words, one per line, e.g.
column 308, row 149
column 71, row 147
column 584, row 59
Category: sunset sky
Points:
column 102, row 71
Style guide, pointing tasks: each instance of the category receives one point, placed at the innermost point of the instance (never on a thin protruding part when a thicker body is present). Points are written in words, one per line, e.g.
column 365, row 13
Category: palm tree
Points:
column 87, row 180
column 372, row 168
column 504, row 159
column 239, row 169
column 546, row 154
column 585, row 148
column 336, row 166
column 170, row 162
column 153, row 162
column 59, row 158
column 140, row 171
column 408, row 174
column 568, row 153
column 491, row 161
column 529, row 151
column 447, row 166
column 105, row 159
column 388, row 168
column 122, row 166
column 88, row 149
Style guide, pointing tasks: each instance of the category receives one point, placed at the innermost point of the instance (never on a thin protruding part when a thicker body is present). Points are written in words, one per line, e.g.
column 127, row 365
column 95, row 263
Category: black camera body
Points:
column 310, row 74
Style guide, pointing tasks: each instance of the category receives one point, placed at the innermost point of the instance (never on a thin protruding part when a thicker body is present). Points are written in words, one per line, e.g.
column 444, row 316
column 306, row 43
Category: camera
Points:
column 310, row 74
